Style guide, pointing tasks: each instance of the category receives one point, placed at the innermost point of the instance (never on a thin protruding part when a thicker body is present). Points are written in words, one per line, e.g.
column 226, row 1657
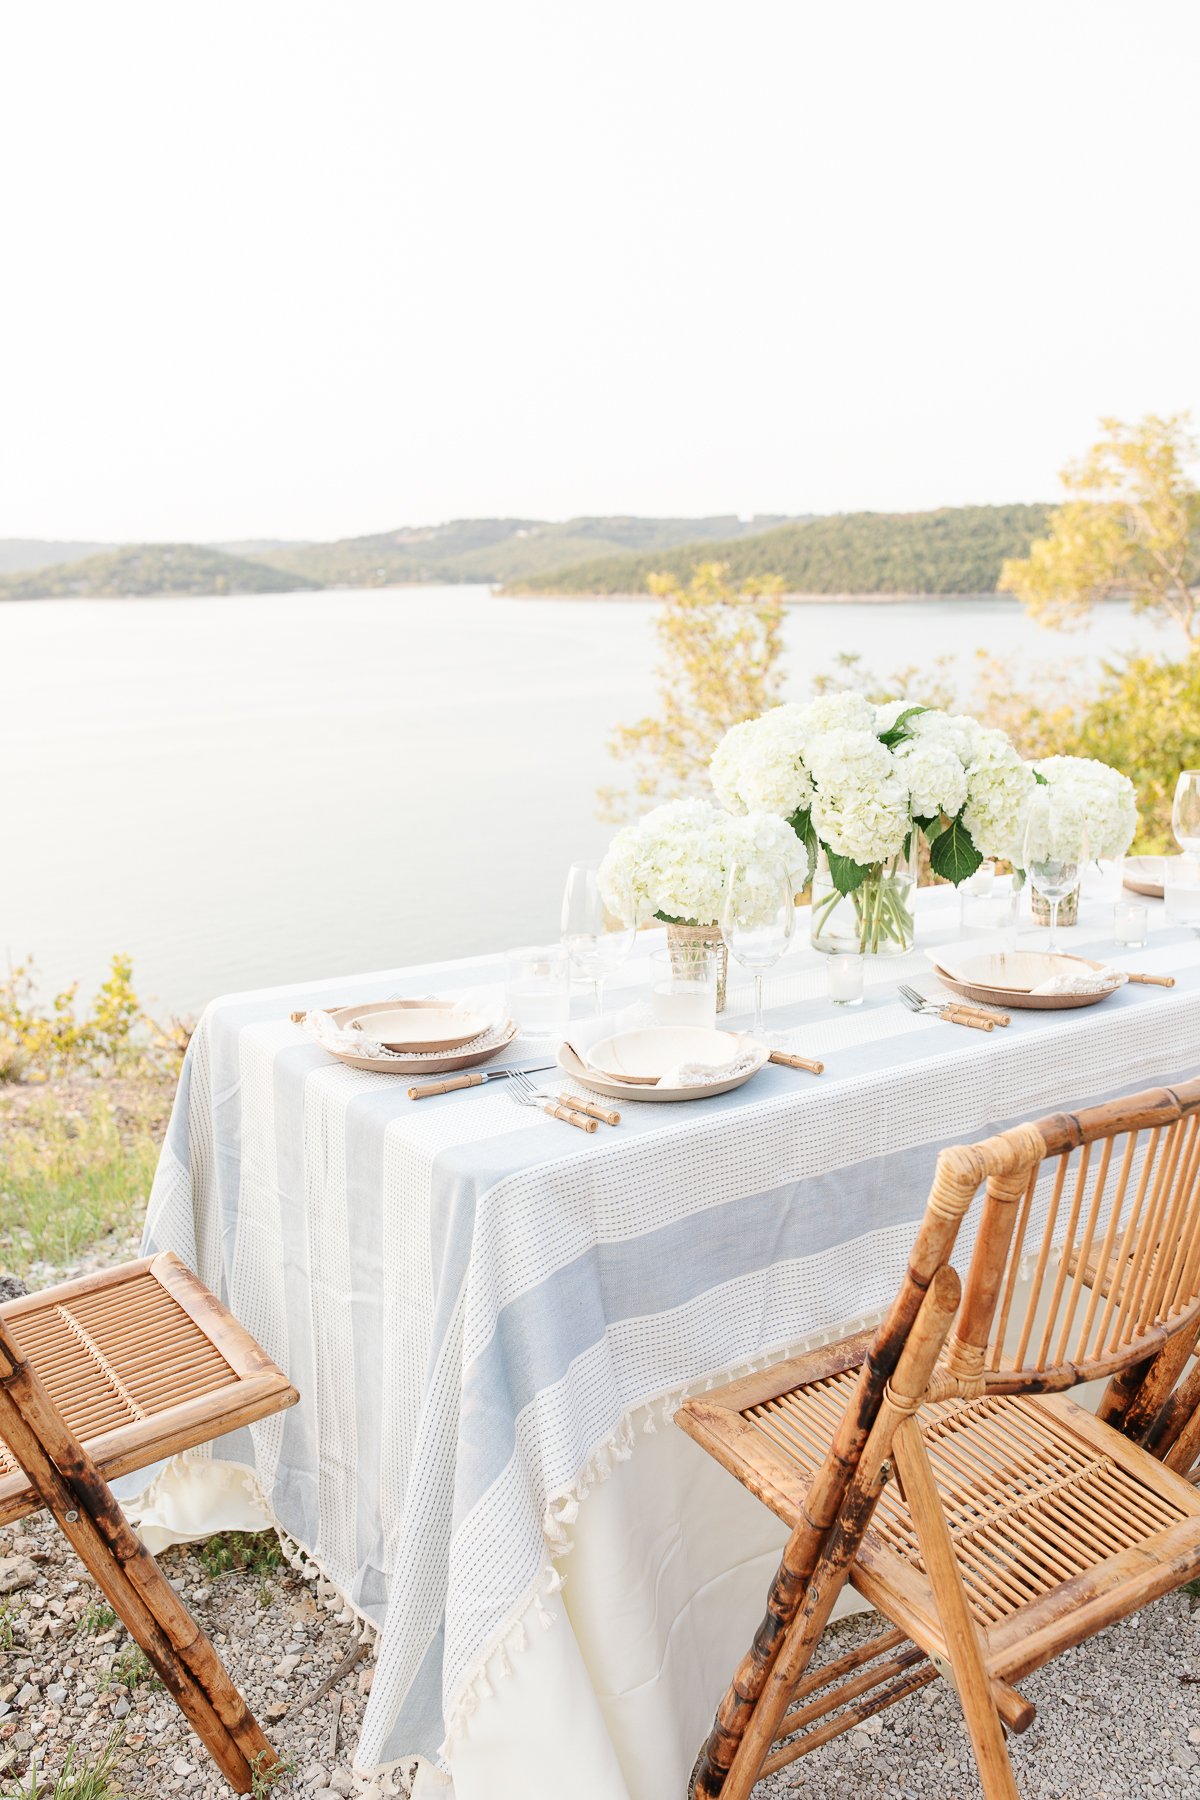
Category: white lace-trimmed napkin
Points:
column 690, row 1075
column 1083, row 981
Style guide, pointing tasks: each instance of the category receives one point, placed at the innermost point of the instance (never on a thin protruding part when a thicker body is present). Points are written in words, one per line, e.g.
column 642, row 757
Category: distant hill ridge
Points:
column 151, row 571
column 497, row 550
column 957, row 550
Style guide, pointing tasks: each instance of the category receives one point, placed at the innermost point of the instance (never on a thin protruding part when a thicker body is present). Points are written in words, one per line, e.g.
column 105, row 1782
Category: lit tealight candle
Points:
column 1130, row 924
column 845, row 972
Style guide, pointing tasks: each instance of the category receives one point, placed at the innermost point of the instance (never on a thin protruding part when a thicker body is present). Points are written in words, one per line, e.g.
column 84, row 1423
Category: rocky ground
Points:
column 72, row 1682
column 1118, row 1719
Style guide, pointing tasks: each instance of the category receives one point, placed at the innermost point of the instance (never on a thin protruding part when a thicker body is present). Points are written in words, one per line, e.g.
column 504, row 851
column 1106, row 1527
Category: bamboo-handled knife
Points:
column 475, row 1078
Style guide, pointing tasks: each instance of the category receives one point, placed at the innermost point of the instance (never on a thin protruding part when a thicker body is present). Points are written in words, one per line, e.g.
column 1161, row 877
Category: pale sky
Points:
column 309, row 268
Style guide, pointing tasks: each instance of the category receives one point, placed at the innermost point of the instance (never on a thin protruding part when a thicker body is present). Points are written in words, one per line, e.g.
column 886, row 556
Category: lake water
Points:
column 261, row 789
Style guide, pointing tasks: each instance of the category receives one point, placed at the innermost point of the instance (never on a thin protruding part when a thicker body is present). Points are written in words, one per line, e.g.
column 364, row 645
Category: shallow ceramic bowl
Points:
column 641, row 1057
column 431, row 1025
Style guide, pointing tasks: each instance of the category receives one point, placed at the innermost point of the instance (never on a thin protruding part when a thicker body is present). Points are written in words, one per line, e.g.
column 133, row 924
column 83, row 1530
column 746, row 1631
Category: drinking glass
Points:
column 758, row 919
column 596, row 938
column 1185, row 812
column 1181, row 890
column 539, row 989
column 1055, row 851
column 683, row 983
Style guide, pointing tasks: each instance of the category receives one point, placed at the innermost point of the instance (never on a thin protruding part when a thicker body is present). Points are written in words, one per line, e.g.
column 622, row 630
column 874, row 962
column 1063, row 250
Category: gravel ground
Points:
column 1115, row 1722
column 66, row 1677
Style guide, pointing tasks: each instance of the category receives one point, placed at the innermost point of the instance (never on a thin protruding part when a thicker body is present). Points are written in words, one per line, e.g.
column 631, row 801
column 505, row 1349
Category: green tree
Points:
column 1143, row 717
column 1130, row 530
column 719, row 664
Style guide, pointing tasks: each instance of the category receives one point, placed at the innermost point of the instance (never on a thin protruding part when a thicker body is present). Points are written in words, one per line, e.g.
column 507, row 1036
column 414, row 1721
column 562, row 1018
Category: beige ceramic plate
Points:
column 445, row 1062
column 570, row 1064
column 640, row 1057
column 1019, row 997
column 433, row 1025
column 1144, row 875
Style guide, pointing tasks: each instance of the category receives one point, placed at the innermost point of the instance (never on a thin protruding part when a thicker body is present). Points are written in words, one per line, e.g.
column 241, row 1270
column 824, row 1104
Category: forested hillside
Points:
column 956, row 550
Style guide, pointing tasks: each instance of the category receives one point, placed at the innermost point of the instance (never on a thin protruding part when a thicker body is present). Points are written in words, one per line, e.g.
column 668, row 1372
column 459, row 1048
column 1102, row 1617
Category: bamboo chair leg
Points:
column 69, row 1484
column 962, row 1634
column 908, row 1384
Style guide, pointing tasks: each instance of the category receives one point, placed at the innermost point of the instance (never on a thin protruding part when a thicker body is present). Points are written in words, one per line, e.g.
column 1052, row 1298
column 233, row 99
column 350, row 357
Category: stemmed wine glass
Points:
column 1055, row 851
column 596, row 937
column 1185, row 812
column 757, row 920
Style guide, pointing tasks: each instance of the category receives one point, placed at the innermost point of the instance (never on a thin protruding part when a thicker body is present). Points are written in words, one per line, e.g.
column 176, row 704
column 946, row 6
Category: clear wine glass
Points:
column 1055, row 851
column 757, row 920
column 1185, row 812
column 597, row 937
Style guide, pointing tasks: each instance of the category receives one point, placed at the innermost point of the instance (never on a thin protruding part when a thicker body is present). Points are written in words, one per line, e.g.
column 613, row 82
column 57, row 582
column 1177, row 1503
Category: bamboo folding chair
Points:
column 102, row 1376
column 937, row 1464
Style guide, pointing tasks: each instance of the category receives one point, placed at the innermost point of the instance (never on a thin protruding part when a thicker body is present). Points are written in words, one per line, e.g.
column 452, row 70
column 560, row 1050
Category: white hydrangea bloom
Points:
column 759, row 766
column 1106, row 798
column 937, row 781
column 998, row 787
column 861, row 806
column 676, row 860
column 956, row 730
column 837, row 712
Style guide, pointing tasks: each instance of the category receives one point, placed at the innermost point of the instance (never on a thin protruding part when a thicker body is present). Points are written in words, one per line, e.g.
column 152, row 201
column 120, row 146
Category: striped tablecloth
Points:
column 481, row 1307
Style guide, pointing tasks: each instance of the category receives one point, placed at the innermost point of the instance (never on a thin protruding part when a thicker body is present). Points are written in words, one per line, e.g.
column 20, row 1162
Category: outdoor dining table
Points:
column 491, row 1317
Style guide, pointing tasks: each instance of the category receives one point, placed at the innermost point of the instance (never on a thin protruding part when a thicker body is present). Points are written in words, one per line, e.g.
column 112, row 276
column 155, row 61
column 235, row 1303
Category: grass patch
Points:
column 132, row 1669
column 70, row 1176
column 251, row 1552
column 264, row 1779
column 86, row 1778
column 96, row 1617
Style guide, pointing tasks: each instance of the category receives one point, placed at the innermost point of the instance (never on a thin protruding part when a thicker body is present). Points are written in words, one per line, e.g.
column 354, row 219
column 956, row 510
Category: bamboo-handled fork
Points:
column 952, row 1014
column 521, row 1090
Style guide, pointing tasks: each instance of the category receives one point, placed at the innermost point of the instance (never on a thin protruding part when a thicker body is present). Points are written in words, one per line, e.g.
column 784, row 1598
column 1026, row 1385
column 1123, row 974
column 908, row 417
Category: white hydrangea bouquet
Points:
column 1093, row 816
column 1095, row 805
column 856, row 783
column 674, row 864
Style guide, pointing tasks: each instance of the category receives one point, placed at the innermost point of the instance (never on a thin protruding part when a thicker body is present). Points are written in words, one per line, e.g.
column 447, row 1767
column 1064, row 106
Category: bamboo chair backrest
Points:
column 1087, row 1259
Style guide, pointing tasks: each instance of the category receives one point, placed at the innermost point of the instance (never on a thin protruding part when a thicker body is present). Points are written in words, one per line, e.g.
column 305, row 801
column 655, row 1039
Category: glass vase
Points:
column 682, row 938
column 876, row 919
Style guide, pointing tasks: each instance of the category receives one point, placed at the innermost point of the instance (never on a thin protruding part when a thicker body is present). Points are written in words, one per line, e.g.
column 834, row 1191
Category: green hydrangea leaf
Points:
column 952, row 854
column 898, row 730
column 801, row 823
column 846, row 874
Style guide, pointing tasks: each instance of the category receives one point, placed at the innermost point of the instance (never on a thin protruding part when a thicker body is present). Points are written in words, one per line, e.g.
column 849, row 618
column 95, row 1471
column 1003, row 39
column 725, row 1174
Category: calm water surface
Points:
column 261, row 789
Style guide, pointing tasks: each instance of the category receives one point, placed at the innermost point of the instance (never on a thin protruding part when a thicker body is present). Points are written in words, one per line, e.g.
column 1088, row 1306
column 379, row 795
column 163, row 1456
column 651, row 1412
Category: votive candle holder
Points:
column 844, row 972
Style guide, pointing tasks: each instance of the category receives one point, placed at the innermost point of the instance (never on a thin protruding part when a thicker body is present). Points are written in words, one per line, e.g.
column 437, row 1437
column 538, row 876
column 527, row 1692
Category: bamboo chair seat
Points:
column 102, row 1376
column 1035, row 1490
column 141, row 1361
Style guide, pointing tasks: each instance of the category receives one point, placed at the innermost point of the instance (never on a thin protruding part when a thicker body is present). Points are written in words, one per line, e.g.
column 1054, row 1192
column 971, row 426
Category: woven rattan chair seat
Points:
column 141, row 1361
column 1036, row 1492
